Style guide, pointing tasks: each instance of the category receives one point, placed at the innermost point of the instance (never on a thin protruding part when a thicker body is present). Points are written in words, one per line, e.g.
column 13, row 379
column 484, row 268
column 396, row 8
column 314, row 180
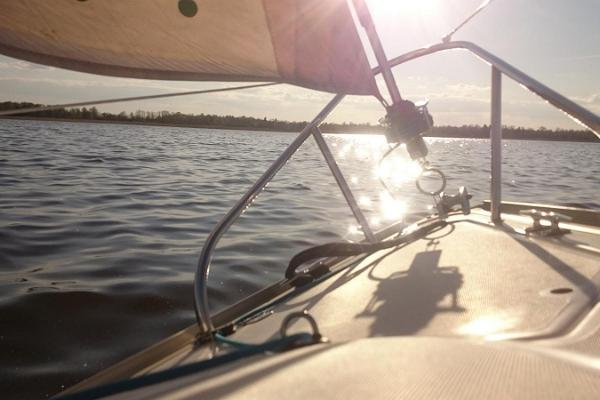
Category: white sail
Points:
column 311, row 43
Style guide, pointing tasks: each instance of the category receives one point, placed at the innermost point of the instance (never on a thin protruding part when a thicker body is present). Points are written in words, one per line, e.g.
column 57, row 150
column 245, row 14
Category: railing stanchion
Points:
column 499, row 67
column 574, row 110
column 496, row 144
column 341, row 181
column 203, row 267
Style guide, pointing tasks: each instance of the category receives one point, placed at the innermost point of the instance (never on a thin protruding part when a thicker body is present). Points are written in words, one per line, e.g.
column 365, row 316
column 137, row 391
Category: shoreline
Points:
column 255, row 129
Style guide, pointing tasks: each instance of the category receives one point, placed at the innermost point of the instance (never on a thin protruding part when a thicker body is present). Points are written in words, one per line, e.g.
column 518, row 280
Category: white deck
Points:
column 470, row 280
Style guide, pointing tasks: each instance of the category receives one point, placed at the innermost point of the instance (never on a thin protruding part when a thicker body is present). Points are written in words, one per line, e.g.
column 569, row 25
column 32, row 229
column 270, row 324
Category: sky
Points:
column 555, row 41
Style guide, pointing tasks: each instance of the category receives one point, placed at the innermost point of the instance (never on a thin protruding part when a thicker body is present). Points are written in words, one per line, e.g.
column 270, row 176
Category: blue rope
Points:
column 235, row 343
column 162, row 376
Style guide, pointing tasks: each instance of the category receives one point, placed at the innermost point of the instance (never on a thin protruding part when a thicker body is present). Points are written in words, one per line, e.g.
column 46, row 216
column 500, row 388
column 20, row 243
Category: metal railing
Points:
column 499, row 67
column 202, row 270
column 574, row 110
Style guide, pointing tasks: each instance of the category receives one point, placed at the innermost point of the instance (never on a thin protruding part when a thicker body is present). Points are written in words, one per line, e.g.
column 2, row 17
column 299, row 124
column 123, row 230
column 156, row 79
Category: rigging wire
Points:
column 124, row 99
column 483, row 5
column 381, row 180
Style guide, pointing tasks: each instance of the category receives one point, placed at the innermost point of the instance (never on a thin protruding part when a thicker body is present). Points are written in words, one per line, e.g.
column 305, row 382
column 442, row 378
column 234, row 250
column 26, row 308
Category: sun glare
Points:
column 486, row 325
column 397, row 170
column 390, row 209
column 405, row 7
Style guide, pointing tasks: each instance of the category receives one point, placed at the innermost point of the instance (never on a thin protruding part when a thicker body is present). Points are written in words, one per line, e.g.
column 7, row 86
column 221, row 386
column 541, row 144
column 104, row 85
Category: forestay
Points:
column 311, row 43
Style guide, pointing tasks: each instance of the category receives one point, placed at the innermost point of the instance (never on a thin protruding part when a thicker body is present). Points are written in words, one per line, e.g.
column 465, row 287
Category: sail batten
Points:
column 310, row 43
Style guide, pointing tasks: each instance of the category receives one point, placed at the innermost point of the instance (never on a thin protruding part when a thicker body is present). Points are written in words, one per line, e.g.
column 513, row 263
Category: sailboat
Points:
column 379, row 318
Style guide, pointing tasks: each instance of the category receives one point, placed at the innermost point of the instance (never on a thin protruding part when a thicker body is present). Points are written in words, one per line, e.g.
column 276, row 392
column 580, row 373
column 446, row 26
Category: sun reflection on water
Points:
column 397, row 170
column 360, row 157
column 391, row 209
column 364, row 201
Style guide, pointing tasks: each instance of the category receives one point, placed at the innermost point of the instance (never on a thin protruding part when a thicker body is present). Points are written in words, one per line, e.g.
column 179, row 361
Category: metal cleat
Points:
column 537, row 228
column 448, row 202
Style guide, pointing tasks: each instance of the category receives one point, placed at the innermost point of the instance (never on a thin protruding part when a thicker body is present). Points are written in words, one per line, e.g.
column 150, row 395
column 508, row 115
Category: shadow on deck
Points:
column 406, row 301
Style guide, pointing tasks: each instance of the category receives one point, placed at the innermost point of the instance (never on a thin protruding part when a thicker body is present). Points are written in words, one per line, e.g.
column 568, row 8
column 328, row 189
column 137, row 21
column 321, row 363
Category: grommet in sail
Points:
column 187, row 8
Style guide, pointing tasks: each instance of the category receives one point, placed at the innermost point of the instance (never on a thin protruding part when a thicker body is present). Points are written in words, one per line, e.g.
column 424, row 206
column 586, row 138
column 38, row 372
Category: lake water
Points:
column 101, row 225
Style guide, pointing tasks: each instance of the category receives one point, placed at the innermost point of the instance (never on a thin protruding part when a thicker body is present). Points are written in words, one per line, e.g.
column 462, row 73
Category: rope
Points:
column 110, row 389
column 123, row 99
column 344, row 249
column 234, row 343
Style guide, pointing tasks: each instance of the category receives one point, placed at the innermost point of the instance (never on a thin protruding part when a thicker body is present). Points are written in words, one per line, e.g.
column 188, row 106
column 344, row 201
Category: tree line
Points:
column 243, row 122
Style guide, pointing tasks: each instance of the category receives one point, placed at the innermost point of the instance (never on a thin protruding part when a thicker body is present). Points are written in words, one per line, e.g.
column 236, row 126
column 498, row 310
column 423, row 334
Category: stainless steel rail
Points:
column 574, row 110
column 203, row 268
column 496, row 144
column 343, row 185
column 499, row 67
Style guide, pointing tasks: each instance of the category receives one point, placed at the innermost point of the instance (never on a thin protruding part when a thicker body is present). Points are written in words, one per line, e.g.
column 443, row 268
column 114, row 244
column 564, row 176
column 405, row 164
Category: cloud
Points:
column 116, row 83
column 593, row 99
column 591, row 102
column 23, row 65
column 468, row 90
column 582, row 57
column 450, row 103
column 133, row 87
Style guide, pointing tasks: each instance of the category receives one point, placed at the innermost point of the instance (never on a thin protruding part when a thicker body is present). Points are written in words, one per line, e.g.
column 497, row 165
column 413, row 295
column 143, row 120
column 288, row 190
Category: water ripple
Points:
column 101, row 226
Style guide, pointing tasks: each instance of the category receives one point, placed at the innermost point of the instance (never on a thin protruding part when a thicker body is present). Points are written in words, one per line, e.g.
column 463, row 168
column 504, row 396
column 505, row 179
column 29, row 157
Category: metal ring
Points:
column 436, row 192
column 297, row 315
